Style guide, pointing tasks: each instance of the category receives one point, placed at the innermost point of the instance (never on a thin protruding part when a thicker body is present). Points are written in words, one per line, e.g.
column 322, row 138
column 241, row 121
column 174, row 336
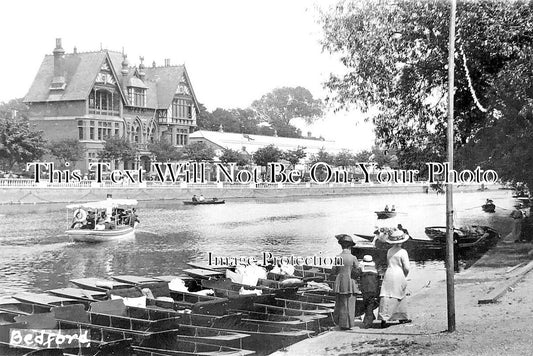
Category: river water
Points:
column 35, row 255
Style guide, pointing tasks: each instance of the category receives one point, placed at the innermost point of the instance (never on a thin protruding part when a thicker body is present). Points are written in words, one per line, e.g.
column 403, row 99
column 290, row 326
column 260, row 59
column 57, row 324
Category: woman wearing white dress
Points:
column 392, row 295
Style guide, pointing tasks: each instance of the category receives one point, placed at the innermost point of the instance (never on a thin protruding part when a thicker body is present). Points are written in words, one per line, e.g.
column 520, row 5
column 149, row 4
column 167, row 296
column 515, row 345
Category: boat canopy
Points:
column 103, row 204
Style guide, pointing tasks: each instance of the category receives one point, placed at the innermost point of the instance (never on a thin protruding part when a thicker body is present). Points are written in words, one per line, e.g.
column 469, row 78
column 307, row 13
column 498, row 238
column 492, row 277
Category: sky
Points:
column 235, row 51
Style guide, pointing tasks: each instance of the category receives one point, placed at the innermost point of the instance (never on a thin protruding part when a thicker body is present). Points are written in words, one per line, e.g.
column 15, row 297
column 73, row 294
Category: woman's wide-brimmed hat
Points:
column 397, row 237
column 343, row 238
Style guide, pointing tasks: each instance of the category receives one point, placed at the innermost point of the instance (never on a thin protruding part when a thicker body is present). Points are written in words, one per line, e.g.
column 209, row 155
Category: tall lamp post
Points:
column 450, row 292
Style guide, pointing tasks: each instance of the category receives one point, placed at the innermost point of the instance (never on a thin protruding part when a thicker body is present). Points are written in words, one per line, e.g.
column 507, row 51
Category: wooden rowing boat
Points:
column 99, row 284
column 43, row 299
column 203, row 273
column 433, row 247
column 84, row 295
column 385, row 214
column 488, row 208
column 205, row 202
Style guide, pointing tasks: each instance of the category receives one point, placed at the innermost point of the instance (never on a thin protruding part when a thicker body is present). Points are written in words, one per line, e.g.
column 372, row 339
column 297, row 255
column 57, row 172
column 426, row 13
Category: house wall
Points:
column 59, row 108
column 56, row 129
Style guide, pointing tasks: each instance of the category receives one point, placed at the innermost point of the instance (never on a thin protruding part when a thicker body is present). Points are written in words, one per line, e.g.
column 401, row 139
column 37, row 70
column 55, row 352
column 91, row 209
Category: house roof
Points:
column 80, row 71
column 82, row 68
column 251, row 143
column 165, row 80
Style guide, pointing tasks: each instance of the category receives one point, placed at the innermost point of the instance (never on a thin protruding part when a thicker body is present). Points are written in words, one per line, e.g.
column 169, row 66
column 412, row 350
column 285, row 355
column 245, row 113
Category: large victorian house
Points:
column 94, row 95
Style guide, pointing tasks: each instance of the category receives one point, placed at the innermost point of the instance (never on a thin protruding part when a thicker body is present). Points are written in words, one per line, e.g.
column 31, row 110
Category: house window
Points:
column 181, row 108
column 100, row 134
column 80, row 129
column 137, row 96
column 91, row 130
column 136, row 132
column 117, row 129
column 102, row 102
column 151, row 133
column 181, row 137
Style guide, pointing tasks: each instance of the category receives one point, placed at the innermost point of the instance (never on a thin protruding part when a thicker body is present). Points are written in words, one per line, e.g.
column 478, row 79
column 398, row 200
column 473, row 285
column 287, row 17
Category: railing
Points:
column 104, row 112
column 44, row 183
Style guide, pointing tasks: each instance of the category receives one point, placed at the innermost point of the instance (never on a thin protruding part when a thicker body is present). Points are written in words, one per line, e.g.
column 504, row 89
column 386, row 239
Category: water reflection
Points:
column 36, row 255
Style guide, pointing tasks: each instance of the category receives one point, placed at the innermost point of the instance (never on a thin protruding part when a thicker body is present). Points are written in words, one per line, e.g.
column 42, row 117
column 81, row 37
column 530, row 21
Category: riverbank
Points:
column 44, row 195
column 502, row 328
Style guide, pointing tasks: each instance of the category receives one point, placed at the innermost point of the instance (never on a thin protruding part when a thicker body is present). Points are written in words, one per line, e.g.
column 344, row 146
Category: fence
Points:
column 30, row 183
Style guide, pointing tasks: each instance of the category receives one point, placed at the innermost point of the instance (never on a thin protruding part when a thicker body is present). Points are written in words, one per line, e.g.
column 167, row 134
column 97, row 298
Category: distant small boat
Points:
column 526, row 202
column 520, row 194
column 207, row 201
column 385, row 214
column 488, row 208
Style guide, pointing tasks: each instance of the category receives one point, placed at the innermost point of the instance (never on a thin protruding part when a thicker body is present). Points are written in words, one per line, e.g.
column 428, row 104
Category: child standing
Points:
column 369, row 289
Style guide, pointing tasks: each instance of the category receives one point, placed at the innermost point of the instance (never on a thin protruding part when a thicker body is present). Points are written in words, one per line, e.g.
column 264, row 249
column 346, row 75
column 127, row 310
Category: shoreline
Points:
column 482, row 329
column 33, row 196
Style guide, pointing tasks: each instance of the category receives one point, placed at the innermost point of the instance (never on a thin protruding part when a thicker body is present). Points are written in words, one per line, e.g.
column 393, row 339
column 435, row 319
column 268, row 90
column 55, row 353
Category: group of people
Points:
column 392, row 306
column 94, row 220
column 198, row 199
column 386, row 209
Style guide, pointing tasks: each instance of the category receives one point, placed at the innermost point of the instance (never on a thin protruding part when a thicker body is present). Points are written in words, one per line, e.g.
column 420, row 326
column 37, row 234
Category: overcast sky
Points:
column 234, row 51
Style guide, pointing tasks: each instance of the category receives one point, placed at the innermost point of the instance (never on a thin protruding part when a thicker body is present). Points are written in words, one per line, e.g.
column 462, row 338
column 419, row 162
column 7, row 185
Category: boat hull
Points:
column 205, row 202
column 81, row 235
column 385, row 214
column 488, row 208
column 432, row 248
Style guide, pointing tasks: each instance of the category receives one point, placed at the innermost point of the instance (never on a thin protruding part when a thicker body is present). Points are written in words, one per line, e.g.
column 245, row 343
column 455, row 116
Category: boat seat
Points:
column 5, row 328
column 211, row 307
column 133, row 292
column 158, row 289
column 45, row 352
column 112, row 307
column 74, row 312
column 38, row 321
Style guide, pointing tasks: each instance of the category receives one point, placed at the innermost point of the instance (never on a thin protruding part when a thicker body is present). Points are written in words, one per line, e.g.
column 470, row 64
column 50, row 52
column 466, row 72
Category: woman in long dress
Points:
column 392, row 296
column 345, row 285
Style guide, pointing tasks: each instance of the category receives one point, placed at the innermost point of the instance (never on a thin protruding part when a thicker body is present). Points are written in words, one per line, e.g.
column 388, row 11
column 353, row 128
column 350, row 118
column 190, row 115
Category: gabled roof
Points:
column 166, row 80
column 251, row 143
column 82, row 68
column 80, row 73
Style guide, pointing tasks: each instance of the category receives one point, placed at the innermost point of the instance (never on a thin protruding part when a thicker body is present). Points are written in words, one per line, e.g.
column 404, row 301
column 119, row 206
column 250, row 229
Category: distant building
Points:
column 250, row 143
column 94, row 95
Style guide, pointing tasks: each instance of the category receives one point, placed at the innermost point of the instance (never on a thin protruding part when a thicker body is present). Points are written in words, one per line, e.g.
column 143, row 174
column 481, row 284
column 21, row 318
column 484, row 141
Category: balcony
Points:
column 104, row 112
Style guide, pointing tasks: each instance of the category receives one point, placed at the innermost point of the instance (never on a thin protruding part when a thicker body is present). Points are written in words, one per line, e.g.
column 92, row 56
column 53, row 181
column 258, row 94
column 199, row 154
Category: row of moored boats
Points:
column 199, row 312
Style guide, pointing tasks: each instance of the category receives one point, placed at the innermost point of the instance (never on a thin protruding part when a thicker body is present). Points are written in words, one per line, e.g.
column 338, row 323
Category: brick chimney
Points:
column 124, row 71
column 58, row 82
column 141, row 69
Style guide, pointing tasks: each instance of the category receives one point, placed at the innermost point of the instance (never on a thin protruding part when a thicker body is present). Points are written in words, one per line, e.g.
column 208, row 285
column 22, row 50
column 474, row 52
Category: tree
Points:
column 66, row 150
column 363, row 156
column 322, row 156
column 18, row 143
column 294, row 156
column 233, row 156
column 284, row 130
column 199, row 151
column 395, row 56
column 14, row 106
column 384, row 158
column 282, row 105
column 164, row 151
column 345, row 158
column 117, row 148
column 205, row 119
column 267, row 154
